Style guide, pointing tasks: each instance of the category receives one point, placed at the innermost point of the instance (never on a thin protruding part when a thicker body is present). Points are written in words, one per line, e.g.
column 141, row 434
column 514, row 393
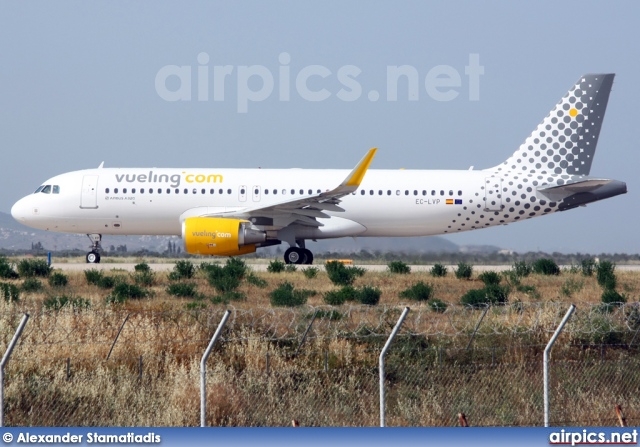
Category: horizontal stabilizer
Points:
column 581, row 192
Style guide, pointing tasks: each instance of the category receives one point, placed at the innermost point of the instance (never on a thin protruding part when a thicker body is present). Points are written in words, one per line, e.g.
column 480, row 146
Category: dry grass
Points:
column 430, row 376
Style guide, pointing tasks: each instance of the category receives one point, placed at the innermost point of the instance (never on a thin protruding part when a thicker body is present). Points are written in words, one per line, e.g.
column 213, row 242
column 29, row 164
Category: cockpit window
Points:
column 40, row 188
column 56, row 189
column 46, row 189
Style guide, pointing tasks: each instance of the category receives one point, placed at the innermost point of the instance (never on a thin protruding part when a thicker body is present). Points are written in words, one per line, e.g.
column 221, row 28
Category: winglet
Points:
column 356, row 176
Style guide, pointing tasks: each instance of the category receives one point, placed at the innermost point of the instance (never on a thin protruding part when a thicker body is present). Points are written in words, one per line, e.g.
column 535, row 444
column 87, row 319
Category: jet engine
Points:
column 220, row 236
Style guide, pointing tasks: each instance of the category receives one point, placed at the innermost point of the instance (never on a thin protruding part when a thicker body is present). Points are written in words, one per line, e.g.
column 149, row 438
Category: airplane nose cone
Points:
column 19, row 210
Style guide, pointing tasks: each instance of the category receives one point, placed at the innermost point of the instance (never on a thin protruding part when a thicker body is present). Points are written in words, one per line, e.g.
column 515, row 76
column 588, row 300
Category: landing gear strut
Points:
column 93, row 257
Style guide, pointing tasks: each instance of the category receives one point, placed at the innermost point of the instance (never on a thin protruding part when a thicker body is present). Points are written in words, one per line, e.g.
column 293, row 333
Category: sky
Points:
column 307, row 86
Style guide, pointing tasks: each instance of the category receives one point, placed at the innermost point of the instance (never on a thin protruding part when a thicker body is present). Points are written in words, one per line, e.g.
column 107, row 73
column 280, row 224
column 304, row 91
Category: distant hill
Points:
column 15, row 236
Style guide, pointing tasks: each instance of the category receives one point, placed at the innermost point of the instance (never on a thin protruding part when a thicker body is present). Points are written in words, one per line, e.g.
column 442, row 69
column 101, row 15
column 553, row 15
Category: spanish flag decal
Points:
column 449, row 201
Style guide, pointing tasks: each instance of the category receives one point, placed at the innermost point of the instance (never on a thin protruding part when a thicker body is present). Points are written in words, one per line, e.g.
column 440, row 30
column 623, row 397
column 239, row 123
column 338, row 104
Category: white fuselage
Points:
column 151, row 201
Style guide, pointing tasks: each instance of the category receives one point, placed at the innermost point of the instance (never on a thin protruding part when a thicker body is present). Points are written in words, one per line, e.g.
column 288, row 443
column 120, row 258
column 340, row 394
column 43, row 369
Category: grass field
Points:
column 60, row 375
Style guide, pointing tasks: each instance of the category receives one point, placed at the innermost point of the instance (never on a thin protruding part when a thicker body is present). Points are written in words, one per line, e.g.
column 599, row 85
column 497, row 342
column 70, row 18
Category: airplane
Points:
column 229, row 212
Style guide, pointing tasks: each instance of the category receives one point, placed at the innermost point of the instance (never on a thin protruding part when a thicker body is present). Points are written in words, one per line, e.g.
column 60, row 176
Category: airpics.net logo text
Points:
column 256, row 83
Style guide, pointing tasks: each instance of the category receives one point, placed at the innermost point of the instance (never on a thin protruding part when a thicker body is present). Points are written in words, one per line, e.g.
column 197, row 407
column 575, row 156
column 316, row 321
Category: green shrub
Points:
column 369, row 295
column 31, row 285
column 276, row 266
column 58, row 302
column 93, row 276
column 338, row 297
column 464, row 270
column 310, row 272
column 236, row 267
column 221, row 279
column 490, row 278
column 545, row 266
column 124, row 291
column 521, row 269
column 34, row 267
column 286, row 295
column 493, row 294
column 588, row 266
column 437, row 305
column 418, row 292
column 341, row 275
column 107, row 282
column 438, row 270
column 6, row 269
column 182, row 270
column 9, row 292
column 144, row 277
column 58, row 279
column 612, row 298
column 571, row 286
column 255, row 280
column 183, row 290
column 332, row 315
column 290, row 268
column 605, row 275
column 398, row 267
column 143, row 267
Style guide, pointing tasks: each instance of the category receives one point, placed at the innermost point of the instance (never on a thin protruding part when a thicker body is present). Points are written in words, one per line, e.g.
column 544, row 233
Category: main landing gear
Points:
column 298, row 255
column 93, row 257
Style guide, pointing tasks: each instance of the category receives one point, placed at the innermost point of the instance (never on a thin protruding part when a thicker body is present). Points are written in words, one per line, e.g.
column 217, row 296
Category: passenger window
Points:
column 177, row 191
column 441, row 192
column 397, row 192
column 203, row 191
column 310, row 191
column 319, row 191
column 56, row 189
column 362, row 192
column 124, row 190
column 371, row 192
column 266, row 191
column 194, row 191
column 141, row 190
column 220, row 191
column 302, row 192
column 228, row 191
column 275, row 191
column 388, row 192
column 133, row 191
column 433, row 192
column 150, row 190
column 211, row 191
column 459, row 193
column 115, row 190
column 415, row 192
column 293, row 191
column 159, row 190
column 106, row 191
column 406, row 192
column 450, row 192
column 424, row 192
column 186, row 191
column 284, row 192
column 168, row 191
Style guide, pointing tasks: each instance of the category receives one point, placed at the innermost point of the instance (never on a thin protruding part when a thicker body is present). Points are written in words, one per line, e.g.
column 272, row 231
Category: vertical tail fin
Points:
column 564, row 143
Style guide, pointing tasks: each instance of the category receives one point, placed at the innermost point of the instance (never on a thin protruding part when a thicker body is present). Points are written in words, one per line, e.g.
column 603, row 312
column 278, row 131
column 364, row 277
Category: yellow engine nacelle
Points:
column 220, row 236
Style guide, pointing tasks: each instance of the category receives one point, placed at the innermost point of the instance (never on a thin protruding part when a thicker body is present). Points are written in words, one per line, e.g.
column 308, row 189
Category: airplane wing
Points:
column 306, row 209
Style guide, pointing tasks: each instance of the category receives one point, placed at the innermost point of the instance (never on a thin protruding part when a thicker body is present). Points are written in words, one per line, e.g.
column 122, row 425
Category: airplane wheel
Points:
column 93, row 257
column 294, row 255
column 309, row 256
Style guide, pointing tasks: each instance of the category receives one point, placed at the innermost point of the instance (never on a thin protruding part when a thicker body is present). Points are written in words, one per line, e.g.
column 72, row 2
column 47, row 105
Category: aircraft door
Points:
column 242, row 193
column 89, row 196
column 256, row 193
column 493, row 194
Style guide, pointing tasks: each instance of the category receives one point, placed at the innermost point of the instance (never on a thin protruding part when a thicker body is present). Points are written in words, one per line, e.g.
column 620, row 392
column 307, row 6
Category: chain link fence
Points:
column 110, row 368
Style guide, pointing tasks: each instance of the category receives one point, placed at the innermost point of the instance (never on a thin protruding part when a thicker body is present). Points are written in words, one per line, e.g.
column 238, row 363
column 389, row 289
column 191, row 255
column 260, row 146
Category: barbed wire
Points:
column 100, row 327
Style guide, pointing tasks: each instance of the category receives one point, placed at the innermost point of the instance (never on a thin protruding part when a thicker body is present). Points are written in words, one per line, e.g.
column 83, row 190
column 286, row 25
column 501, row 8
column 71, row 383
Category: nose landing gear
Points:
column 93, row 257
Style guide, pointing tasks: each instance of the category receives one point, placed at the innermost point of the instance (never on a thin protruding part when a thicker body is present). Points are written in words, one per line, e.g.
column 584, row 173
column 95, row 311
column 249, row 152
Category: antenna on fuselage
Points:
column 101, row 165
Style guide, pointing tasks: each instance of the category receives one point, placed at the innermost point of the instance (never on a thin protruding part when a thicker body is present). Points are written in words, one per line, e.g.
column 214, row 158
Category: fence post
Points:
column 478, row 326
column 304, row 337
column 4, row 361
column 382, row 354
column 203, row 370
column 117, row 336
column 546, row 363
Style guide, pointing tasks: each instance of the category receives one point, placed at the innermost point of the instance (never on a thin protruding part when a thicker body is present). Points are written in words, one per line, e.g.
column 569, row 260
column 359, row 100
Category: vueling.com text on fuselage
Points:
column 174, row 180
